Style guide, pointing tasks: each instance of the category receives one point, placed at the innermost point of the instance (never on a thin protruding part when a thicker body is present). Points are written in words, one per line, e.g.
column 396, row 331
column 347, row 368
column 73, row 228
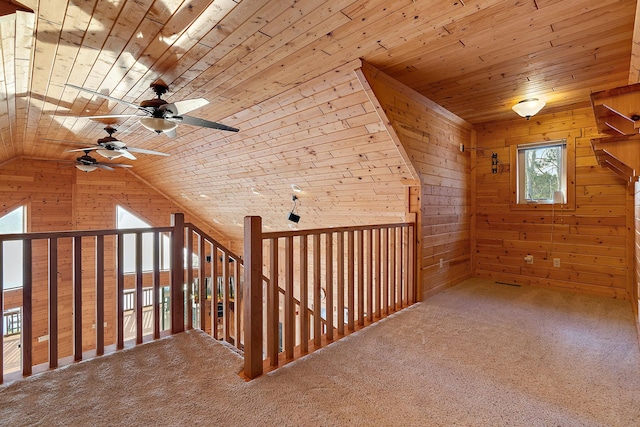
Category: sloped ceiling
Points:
column 282, row 72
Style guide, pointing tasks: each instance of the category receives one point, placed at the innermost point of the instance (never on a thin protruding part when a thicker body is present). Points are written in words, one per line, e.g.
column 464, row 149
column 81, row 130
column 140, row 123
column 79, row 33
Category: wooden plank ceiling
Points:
column 282, row 72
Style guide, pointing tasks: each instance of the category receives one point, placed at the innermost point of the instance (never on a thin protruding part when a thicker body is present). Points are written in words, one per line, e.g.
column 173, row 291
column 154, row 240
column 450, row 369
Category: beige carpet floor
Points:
column 478, row 354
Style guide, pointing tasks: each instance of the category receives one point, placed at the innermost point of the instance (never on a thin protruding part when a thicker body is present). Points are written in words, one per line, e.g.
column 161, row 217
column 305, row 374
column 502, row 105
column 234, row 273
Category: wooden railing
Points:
column 73, row 267
column 314, row 287
column 321, row 285
column 220, row 315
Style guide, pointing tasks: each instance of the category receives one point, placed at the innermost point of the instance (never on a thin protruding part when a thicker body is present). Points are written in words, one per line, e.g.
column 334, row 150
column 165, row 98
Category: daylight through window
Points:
column 542, row 170
column 126, row 219
column 13, row 222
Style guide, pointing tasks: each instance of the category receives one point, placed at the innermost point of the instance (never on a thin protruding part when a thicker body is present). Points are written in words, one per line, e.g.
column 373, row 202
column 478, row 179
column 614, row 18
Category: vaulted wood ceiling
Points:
column 282, row 72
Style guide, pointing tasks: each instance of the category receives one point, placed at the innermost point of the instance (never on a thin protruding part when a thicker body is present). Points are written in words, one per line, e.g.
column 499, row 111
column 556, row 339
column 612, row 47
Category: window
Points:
column 541, row 171
column 13, row 222
column 126, row 219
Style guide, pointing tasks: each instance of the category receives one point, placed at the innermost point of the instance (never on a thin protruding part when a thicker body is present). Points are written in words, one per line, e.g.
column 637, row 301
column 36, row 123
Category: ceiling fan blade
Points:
column 101, row 166
column 202, row 123
column 82, row 149
column 143, row 151
column 182, row 107
column 112, row 116
column 125, row 152
column 121, row 101
column 120, row 165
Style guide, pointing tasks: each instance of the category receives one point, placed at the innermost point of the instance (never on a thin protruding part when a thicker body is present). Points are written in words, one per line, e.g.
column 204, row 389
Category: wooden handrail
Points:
column 82, row 233
column 281, row 234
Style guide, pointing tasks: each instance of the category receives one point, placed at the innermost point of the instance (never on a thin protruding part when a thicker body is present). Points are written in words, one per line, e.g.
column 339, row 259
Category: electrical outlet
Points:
column 528, row 259
column 441, row 262
column 461, row 147
column 556, row 262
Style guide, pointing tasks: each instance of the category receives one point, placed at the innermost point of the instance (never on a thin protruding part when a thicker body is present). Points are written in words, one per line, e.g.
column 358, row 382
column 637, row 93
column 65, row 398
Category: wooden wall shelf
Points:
column 617, row 111
column 609, row 151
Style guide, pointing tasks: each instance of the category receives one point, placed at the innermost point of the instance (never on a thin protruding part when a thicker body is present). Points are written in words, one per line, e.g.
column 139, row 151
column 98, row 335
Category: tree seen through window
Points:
column 542, row 172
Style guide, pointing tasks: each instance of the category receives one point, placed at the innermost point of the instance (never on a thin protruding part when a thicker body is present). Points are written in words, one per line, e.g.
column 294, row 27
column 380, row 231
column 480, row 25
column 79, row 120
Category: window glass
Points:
column 13, row 222
column 126, row 219
column 542, row 171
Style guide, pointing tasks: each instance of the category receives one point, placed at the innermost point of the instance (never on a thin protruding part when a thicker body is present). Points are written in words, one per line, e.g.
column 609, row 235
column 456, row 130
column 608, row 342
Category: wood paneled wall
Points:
column 431, row 137
column 59, row 197
column 594, row 241
column 635, row 285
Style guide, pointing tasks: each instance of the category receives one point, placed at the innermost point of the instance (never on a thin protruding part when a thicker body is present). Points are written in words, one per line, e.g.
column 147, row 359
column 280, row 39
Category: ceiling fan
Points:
column 159, row 115
column 87, row 163
column 112, row 148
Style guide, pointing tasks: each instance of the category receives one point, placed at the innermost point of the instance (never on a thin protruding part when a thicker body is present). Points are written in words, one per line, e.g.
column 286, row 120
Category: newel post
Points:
column 252, row 296
column 177, row 273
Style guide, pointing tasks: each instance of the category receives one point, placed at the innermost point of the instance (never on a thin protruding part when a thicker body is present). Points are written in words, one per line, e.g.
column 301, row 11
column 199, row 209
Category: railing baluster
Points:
column 403, row 267
column 384, row 242
column 378, row 276
column 237, row 305
column 202, row 283
column 317, row 301
column 273, row 305
column 392, row 269
column 189, row 291
column 350, row 283
column 139, row 303
column 360, row 278
column 155, row 299
column 329, row 285
column 340, row 282
column 1, row 312
column 77, row 298
column 412, row 265
column 27, row 309
column 120, row 306
column 99, row 297
column 304, row 295
column 289, row 301
column 53, row 303
column 225, row 295
column 214, row 291
column 369, row 251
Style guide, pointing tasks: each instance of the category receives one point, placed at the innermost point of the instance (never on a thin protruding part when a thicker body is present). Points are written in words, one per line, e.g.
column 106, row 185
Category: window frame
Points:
column 569, row 164
column 25, row 229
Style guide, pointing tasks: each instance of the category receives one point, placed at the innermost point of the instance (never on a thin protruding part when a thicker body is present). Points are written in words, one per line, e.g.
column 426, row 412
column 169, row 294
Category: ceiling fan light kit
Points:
column 158, row 125
column 87, row 168
column 109, row 154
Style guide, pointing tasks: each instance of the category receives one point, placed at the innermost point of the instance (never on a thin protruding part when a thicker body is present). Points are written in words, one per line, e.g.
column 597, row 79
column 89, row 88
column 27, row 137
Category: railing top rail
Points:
column 279, row 234
column 214, row 241
column 82, row 233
